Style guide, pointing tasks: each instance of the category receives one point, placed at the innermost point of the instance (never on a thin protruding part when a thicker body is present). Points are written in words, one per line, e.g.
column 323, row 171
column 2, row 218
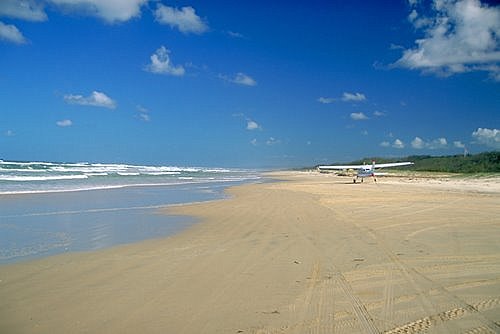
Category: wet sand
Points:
column 314, row 254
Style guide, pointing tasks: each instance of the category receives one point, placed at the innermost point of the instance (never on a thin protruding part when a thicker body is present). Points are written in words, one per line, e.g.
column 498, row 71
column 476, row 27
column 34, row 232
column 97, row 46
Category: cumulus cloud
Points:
column 353, row 97
column 28, row 10
column 273, row 141
column 458, row 144
column 96, row 99
column 109, row 11
column 438, row 143
column 488, row 137
column 378, row 113
column 240, row 79
column 252, row 125
column 460, row 36
column 243, row 79
column 346, row 97
column 398, row 144
column 254, row 142
column 358, row 116
column 10, row 33
column 64, row 123
column 184, row 19
column 385, row 144
column 161, row 64
column 417, row 143
column 326, row 100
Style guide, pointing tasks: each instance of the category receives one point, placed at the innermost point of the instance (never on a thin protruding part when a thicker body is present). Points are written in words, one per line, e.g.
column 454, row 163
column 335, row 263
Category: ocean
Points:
column 48, row 208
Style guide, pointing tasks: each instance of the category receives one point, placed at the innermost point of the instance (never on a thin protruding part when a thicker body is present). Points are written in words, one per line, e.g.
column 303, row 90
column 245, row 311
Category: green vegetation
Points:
column 486, row 162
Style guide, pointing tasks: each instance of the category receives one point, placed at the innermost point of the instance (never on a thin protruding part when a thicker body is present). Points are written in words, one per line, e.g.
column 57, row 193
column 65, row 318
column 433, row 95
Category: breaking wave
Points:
column 39, row 177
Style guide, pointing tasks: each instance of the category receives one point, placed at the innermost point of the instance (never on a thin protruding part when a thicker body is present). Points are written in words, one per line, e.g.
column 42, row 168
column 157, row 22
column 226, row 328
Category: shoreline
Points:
column 40, row 225
column 313, row 253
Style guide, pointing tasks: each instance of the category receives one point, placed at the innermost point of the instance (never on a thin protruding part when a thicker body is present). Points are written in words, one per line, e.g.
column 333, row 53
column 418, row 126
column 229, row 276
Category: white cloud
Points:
column 378, row 113
column 438, row 143
column 143, row 113
column 417, row 143
column 96, row 99
column 418, row 21
column 385, row 144
column 10, row 33
column 353, row 97
column 109, row 10
column 346, row 97
column 458, row 144
column 398, row 144
column 273, row 141
column 326, row 100
column 9, row 133
column 64, row 123
column 460, row 36
column 28, row 10
column 488, row 137
column 141, row 109
column 240, row 79
column 160, row 63
column 145, row 117
column 184, row 19
column 243, row 79
column 254, row 142
column 252, row 125
column 358, row 116
column 393, row 46
column 235, row 34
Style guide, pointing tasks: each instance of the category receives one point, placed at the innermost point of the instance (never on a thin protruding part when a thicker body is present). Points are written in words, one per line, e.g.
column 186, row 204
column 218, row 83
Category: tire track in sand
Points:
column 424, row 324
column 418, row 281
column 313, row 311
column 364, row 318
column 388, row 306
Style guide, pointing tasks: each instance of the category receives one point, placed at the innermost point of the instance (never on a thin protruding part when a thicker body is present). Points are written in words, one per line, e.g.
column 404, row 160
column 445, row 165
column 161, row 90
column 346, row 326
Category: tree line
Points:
column 486, row 162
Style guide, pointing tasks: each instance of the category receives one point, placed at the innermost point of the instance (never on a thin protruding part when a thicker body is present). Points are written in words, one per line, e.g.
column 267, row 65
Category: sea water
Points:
column 50, row 208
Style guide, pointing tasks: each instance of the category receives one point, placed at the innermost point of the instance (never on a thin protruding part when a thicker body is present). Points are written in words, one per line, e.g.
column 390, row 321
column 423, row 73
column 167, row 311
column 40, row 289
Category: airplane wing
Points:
column 343, row 167
column 340, row 167
column 393, row 164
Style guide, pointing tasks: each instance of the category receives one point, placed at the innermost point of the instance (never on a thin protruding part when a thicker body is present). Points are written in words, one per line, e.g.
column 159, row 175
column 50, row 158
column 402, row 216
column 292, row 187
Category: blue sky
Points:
column 247, row 83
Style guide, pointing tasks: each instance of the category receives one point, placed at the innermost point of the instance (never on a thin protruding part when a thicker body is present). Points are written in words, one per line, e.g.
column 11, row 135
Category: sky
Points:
column 247, row 83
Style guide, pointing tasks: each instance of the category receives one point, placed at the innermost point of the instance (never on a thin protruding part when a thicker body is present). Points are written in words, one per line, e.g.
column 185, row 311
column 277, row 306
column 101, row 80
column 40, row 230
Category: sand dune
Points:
column 314, row 254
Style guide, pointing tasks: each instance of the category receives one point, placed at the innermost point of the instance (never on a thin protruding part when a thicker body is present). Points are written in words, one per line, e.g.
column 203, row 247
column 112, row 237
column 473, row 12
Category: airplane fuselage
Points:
column 365, row 170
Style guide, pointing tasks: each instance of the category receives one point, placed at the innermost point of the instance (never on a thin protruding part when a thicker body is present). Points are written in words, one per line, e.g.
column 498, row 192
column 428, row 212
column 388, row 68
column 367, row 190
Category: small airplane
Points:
column 365, row 170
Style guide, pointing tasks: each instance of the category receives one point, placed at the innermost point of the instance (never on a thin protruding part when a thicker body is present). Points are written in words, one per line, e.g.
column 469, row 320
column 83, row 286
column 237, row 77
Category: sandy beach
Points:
column 312, row 254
